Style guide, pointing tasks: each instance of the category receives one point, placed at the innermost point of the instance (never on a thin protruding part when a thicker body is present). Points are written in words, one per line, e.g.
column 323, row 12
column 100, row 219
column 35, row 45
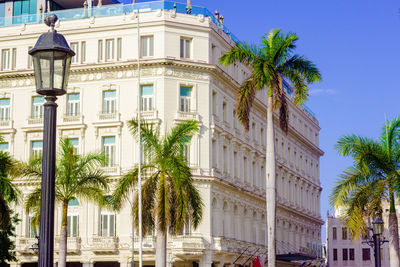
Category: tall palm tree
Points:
column 9, row 193
column 270, row 63
column 77, row 177
column 373, row 178
column 169, row 198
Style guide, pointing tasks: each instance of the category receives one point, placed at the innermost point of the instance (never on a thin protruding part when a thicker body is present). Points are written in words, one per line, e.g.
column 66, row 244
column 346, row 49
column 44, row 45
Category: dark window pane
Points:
column 335, row 254
column 351, row 252
column 334, row 233
column 345, row 254
column 366, row 254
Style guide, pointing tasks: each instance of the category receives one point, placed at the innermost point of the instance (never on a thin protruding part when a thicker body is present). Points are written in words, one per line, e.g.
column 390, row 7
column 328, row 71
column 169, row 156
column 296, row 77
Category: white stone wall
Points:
column 228, row 165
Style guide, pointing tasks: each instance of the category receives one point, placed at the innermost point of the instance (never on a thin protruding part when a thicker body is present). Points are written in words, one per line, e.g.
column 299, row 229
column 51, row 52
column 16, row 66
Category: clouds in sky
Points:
column 323, row 92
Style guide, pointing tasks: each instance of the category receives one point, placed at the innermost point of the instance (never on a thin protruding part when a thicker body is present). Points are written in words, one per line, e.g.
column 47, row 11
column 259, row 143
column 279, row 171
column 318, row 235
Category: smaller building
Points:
column 342, row 250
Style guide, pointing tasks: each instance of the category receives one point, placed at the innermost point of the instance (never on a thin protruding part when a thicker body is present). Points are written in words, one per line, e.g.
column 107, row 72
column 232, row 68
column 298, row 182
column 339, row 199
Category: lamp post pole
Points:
column 46, row 242
column 377, row 250
column 51, row 60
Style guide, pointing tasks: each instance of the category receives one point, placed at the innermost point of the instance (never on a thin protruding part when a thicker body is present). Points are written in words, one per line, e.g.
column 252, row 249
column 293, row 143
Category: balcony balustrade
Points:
column 104, row 244
column 73, row 244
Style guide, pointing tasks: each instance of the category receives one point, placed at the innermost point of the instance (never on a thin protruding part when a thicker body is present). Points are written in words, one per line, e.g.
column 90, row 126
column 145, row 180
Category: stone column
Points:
column 206, row 259
column 87, row 264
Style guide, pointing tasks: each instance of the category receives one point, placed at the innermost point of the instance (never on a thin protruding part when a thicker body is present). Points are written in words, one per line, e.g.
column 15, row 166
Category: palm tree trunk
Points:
column 62, row 248
column 393, row 232
column 161, row 249
column 270, row 190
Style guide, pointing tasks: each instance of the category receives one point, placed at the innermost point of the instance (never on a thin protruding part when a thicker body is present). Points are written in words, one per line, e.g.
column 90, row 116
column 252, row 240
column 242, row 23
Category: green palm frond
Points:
column 269, row 63
column 165, row 198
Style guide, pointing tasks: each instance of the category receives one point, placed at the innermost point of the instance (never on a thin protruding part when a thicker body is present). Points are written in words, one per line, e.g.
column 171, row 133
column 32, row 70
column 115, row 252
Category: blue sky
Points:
column 355, row 44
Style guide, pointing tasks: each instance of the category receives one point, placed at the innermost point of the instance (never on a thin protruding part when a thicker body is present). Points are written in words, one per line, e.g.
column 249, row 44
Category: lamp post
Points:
column 51, row 62
column 375, row 242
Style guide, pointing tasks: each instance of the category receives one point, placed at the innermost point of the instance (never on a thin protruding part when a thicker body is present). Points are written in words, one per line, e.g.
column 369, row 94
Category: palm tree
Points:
column 270, row 63
column 169, row 198
column 77, row 177
column 373, row 178
column 9, row 193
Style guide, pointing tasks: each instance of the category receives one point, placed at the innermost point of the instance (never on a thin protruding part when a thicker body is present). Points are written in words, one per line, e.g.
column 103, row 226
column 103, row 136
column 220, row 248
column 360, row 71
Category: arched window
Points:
column 214, row 219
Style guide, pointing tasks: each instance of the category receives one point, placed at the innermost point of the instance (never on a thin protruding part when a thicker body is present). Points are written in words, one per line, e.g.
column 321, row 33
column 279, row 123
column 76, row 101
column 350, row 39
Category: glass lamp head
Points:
column 51, row 61
column 377, row 226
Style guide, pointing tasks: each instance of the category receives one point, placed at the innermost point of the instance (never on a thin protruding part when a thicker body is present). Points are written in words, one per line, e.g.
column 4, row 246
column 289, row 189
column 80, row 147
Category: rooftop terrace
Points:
column 115, row 10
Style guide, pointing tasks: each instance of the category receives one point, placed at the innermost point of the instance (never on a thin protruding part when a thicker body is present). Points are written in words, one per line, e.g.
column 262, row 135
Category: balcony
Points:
column 72, row 119
column 148, row 243
column 73, row 244
column 6, row 123
column 109, row 116
column 35, row 121
column 111, row 169
column 183, row 116
column 104, row 244
column 149, row 115
column 26, row 245
column 189, row 243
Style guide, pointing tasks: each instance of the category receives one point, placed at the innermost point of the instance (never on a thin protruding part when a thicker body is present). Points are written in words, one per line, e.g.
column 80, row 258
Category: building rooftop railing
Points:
column 289, row 90
column 114, row 10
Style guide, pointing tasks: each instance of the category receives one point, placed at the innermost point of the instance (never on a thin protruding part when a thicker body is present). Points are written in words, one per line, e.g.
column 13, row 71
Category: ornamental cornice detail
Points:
column 26, row 79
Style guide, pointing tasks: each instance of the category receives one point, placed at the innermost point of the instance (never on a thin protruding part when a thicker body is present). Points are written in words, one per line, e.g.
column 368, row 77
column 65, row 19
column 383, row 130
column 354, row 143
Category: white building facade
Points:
column 180, row 79
column 343, row 250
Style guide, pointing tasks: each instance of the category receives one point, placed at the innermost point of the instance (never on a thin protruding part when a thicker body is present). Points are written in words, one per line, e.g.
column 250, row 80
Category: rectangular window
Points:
column 110, row 50
column 119, row 48
column 147, row 98
column 73, row 104
column 335, row 254
column 245, row 173
column 344, row 233
column 109, row 150
column 345, row 254
column 186, row 153
column 185, row 47
column 73, row 225
column 107, row 224
column 253, row 130
column 366, row 254
column 235, row 161
column 101, row 50
column 184, row 99
column 14, row 59
column 263, row 137
column 225, row 153
column 33, row 231
column 4, row 146
column 5, row 109
column 36, row 148
column 147, row 46
column 214, row 102
column 75, row 144
column 214, row 154
column 83, row 52
column 5, row 59
column 75, row 48
column 334, row 233
column 224, row 111
column 37, row 106
column 351, row 254
column 234, row 119
column 30, row 61
column 109, row 102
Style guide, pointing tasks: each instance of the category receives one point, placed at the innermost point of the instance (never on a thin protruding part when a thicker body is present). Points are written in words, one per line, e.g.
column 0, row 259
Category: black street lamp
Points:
column 375, row 242
column 51, row 62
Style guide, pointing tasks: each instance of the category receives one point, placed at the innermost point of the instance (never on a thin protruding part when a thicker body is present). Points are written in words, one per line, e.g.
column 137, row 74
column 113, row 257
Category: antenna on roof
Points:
column 188, row 7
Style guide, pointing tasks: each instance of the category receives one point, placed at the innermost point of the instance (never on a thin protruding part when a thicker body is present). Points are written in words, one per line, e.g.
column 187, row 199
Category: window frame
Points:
column 185, row 45
column 146, row 100
column 109, row 151
column 6, row 60
column 185, row 102
column 73, row 106
column 149, row 41
column 108, row 107
column 5, row 110
column 109, row 231
column 37, row 111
